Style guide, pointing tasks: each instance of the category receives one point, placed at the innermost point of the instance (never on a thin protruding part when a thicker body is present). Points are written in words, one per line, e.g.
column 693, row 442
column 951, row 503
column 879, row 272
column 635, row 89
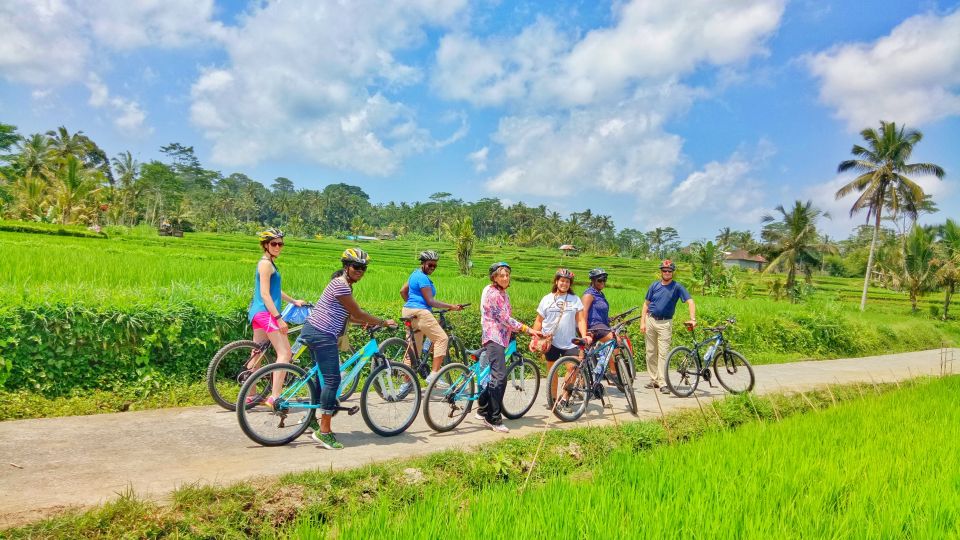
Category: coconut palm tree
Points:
column 73, row 188
column 948, row 262
column 795, row 244
column 917, row 262
column 35, row 157
column 882, row 182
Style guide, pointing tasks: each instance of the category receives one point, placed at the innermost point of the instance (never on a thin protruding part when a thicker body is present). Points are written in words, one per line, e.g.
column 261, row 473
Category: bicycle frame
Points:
column 352, row 367
column 478, row 373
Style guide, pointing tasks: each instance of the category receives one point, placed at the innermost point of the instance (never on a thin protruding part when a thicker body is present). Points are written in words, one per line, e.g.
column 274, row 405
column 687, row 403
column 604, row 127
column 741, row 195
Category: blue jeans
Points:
column 326, row 356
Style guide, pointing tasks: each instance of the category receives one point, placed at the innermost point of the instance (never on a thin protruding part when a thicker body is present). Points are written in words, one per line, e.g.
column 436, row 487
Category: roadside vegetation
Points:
column 719, row 471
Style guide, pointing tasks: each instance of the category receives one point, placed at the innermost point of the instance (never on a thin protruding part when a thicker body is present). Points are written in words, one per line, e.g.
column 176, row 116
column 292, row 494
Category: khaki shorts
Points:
column 426, row 323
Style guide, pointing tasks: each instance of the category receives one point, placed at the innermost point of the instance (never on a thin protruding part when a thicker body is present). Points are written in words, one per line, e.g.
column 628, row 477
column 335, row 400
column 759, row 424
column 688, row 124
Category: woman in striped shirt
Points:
column 326, row 323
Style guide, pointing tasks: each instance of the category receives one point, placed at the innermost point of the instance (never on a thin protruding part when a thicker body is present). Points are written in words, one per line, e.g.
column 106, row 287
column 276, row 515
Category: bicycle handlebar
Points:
column 625, row 313
column 448, row 310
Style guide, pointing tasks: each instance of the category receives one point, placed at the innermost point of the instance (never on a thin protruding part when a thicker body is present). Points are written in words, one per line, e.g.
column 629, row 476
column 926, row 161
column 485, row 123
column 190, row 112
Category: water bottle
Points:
column 426, row 344
column 602, row 363
column 710, row 351
column 297, row 344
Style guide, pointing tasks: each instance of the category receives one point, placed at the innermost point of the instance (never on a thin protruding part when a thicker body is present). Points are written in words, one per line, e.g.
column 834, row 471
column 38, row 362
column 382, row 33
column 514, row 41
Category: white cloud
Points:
column 910, row 76
column 315, row 80
column 47, row 42
column 128, row 117
column 479, row 159
column 650, row 41
column 721, row 193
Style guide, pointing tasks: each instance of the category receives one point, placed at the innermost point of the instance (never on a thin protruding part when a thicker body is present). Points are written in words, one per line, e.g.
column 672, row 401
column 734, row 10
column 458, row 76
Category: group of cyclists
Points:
column 562, row 317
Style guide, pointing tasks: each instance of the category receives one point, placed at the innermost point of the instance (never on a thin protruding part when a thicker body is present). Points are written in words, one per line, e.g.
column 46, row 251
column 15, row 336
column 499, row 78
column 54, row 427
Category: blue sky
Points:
column 692, row 113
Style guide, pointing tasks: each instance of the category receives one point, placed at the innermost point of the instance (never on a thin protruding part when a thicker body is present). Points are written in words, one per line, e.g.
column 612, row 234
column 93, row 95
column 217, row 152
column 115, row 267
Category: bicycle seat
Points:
column 474, row 352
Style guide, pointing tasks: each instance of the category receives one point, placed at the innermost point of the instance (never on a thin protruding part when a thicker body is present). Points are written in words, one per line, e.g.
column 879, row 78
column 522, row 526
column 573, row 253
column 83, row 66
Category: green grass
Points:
column 878, row 468
column 314, row 503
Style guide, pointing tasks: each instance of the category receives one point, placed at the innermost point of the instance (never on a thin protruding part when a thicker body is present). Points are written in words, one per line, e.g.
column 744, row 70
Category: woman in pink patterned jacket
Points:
column 497, row 325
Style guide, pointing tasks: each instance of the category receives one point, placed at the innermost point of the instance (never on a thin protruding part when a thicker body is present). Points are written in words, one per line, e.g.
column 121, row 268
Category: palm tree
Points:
column 883, row 181
column 794, row 239
column 35, row 157
column 73, row 187
column 440, row 197
column 128, row 170
column 917, row 267
column 948, row 262
column 706, row 258
column 724, row 238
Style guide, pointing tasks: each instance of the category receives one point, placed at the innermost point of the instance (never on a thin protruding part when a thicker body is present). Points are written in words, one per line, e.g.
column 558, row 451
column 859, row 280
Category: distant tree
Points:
column 917, row 262
column 794, row 240
column 283, row 185
column 440, row 197
column 461, row 231
column 883, row 181
column 707, row 259
column 660, row 239
column 75, row 184
column 948, row 262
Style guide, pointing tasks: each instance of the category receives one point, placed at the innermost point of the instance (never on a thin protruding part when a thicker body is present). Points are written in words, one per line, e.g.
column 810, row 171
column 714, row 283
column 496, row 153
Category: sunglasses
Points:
column 601, row 280
column 360, row 267
column 666, row 270
column 276, row 244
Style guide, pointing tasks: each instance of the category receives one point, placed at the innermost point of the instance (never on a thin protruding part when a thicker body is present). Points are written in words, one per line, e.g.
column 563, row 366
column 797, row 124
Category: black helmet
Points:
column 498, row 265
column 429, row 255
column 355, row 255
column 597, row 273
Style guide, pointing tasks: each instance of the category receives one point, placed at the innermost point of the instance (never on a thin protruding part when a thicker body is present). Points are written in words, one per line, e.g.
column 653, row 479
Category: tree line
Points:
column 63, row 177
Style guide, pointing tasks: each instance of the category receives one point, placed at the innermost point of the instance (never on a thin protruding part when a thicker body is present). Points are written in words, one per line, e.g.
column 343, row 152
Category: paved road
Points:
column 47, row 465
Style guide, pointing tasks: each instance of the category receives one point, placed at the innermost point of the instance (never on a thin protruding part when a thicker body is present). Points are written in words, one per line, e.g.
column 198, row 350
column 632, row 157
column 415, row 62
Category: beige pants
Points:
column 657, row 341
column 427, row 324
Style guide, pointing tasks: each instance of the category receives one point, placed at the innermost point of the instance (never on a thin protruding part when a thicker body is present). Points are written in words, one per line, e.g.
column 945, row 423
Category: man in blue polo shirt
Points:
column 656, row 322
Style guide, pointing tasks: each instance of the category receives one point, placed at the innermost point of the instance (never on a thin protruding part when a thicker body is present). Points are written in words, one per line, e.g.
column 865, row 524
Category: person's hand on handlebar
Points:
column 298, row 303
column 588, row 339
column 389, row 323
column 456, row 307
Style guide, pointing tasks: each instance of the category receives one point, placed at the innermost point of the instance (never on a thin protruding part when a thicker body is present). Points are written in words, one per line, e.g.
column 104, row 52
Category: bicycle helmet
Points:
column 270, row 234
column 355, row 255
column 667, row 264
column 429, row 255
column 597, row 273
column 564, row 273
column 498, row 265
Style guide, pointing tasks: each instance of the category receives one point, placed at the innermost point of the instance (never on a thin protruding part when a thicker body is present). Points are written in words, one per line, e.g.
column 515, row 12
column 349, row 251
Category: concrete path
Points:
column 47, row 465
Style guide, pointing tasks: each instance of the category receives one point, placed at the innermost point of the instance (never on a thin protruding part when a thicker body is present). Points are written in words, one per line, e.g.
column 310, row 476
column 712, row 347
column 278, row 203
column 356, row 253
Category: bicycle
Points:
column 446, row 407
column 296, row 407
column 233, row 364
column 396, row 349
column 626, row 348
column 580, row 379
column 685, row 366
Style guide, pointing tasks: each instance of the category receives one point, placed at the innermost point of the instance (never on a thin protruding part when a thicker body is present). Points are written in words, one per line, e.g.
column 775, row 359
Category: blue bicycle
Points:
column 451, row 395
column 386, row 409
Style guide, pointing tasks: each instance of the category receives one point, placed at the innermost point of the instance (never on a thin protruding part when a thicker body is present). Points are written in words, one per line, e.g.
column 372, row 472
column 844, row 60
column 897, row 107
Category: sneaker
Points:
column 403, row 391
column 479, row 416
column 651, row 384
column 327, row 440
column 664, row 390
column 440, row 384
column 499, row 428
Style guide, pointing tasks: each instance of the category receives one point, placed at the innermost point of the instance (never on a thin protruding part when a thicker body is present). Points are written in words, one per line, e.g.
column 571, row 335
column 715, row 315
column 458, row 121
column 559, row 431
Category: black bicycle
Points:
column 397, row 349
column 577, row 380
column 625, row 347
column 686, row 365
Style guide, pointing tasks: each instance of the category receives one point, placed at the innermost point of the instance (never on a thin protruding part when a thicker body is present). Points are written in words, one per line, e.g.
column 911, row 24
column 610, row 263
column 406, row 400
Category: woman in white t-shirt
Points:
column 561, row 317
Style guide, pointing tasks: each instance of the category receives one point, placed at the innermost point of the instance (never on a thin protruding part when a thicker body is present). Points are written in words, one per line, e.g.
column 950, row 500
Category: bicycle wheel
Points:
column 388, row 408
column 228, row 370
column 522, row 386
column 455, row 352
column 289, row 417
column 623, row 372
column 573, row 388
column 733, row 371
column 628, row 363
column 446, row 405
column 683, row 371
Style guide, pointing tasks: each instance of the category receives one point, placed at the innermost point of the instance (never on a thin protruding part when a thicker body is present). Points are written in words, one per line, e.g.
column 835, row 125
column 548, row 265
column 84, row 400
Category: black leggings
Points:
column 490, row 400
column 554, row 354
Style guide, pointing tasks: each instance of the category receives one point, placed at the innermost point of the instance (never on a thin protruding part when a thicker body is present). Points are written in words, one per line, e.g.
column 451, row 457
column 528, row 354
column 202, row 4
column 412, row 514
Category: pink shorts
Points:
column 265, row 321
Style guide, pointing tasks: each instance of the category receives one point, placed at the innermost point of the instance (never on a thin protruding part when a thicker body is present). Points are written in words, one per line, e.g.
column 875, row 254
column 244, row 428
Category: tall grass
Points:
column 878, row 468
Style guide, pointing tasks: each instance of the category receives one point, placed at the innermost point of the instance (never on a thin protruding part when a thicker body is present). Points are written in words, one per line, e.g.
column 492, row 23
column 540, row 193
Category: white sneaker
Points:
column 479, row 416
column 499, row 428
column 440, row 384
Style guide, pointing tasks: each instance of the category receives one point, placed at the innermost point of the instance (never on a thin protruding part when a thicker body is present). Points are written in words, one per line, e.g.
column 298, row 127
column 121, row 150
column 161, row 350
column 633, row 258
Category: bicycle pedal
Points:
column 353, row 410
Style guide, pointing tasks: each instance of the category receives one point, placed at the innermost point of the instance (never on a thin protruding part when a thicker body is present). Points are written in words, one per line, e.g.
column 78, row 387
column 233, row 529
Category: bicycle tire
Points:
column 628, row 361
column 444, row 403
column 627, row 385
column 574, row 387
column 269, row 427
column 728, row 372
column 385, row 382
column 456, row 353
column 681, row 379
column 225, row 373
column 522, row 386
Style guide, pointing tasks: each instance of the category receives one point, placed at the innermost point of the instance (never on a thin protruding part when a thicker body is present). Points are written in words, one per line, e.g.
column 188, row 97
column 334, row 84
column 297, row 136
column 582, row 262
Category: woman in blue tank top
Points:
column 264, row 310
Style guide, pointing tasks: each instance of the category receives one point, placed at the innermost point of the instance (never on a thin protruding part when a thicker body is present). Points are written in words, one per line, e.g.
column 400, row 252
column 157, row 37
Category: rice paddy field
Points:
column 880, row 467
column 141, row 315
